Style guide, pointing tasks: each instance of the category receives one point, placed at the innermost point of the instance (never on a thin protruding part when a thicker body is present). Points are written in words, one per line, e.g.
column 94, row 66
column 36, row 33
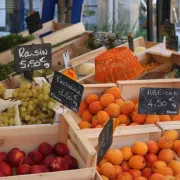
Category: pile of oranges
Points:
column 95, row 111
column 143, row 160
column 150, row 66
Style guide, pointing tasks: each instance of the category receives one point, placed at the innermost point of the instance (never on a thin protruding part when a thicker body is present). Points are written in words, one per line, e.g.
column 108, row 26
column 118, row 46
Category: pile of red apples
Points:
column 45, row 159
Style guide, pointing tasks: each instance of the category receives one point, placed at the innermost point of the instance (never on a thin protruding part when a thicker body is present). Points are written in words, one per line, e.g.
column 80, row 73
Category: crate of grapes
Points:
column 30, row 105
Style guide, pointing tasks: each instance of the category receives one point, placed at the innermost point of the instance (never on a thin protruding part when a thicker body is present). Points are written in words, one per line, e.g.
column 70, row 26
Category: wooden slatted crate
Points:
column 28, row 138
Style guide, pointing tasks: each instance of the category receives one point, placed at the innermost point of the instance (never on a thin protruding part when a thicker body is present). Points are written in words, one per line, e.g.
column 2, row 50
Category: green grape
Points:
column 23, row 109
column 27, row 99
column 30, row 94
column 46, row 97
column 50, row 105
column 15, row 94
column 39, row 122
column 30, row 102
column 25, row 104
column 44, row 109
column 35, row 95
column 42, row 116
column 32, row 119
column 52, row 121
column 30, row 107
column 23, row 114
column 5, row 121
column 28, row 85
column 27, row 117
column 11, row 122
column 40, row 97
column 34, row 112
column 10, row 110
column 37, row 117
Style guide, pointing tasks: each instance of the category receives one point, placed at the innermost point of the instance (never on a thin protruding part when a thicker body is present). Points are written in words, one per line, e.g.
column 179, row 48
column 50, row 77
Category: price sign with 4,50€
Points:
column 159, row 101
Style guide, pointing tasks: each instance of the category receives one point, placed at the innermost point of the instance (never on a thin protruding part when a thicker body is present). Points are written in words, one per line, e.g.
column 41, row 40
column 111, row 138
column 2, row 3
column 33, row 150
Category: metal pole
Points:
column 149, row 20
column 159, row 17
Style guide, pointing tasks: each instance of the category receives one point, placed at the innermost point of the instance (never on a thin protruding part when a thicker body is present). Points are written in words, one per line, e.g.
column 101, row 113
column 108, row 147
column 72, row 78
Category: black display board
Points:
column 34, row 23
column 169, row 28
column 32, row 57
column 159, row 101
column 172, row 42
column 66, row 91
column 131, row 42
column 105, row 139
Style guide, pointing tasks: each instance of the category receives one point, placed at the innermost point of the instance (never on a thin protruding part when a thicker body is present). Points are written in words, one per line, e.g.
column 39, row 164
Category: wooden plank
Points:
column 127, row 86
column 64, row 34
column 127, row 136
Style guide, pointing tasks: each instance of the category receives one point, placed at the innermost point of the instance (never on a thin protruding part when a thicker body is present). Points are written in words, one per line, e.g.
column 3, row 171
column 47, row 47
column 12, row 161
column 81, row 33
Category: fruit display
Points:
column 96, row 110
column 37, row 106
column 153, row 160
column 150, row 66
column 45, row 159
column 110, row 40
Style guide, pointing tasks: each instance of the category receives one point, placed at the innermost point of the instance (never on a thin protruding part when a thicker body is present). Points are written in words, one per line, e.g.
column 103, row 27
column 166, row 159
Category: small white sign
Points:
column 66, row 59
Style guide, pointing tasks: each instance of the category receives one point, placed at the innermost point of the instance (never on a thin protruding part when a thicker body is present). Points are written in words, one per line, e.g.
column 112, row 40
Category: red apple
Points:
column 61, row 149
column 28, row 161
column 45, row 149
column 15, row 157
column 6, row 169
column 2, row 174
column 14, row 149
column 48, row 160
column 59, row 164
column 73, row 164
column 23, row 169
column 23, row 153
column 46, row 169
column 37, row 169
column 3, row 156
column 36, row 157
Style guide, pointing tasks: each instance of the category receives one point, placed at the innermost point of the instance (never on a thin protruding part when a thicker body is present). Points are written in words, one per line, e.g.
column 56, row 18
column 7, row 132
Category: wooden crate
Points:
column 26, row 139
column 140, row 42
column 135, row 85
column 158, row 53
column 64, row 34
column 162, row 69
column 90, row 89
column 127, row 136
column 47, row 27
column 172, row 125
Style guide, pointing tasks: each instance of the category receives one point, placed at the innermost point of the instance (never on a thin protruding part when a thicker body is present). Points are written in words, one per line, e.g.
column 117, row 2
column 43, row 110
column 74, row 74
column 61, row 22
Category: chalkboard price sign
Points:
column 32, row 57
column 66, row 91
column 131, row 42
column 105, row 139
column 159, row 101
column 34, row 22
column 169, row 28
column 172, row 42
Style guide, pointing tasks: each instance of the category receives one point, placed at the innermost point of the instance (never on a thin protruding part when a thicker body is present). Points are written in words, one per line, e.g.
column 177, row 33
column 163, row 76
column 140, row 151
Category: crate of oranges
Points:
column 140, row 154
column 100, row 101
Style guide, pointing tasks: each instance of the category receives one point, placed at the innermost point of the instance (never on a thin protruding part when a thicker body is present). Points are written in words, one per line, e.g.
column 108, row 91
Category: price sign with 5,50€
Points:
column 32, row 57
column 159, row 101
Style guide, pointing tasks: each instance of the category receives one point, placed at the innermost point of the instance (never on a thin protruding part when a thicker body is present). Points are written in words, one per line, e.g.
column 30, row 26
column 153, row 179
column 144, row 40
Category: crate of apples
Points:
column 30, row 151
column 141, row 156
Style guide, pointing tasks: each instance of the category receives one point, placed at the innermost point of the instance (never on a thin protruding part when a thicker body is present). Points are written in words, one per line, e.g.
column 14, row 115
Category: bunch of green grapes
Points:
column 37, row 106
column 2, row 90
column 7, row 117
